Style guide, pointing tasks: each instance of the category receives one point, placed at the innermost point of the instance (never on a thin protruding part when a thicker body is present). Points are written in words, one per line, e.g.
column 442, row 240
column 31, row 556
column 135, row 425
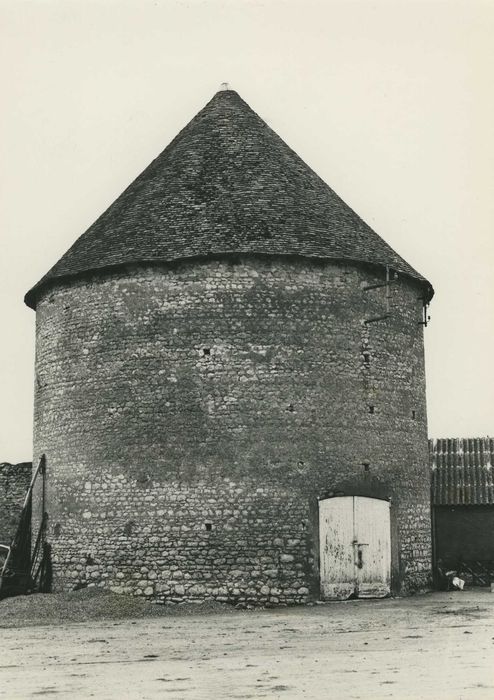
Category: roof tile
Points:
column 461, row 471
column 227, row 184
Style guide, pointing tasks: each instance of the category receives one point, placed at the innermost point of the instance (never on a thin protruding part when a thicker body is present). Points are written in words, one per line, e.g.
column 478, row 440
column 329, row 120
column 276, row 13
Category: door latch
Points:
column 360, row 554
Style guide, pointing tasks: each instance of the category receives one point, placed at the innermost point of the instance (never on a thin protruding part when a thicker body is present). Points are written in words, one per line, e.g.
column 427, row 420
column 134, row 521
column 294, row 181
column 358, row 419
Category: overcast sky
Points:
column 391, row 102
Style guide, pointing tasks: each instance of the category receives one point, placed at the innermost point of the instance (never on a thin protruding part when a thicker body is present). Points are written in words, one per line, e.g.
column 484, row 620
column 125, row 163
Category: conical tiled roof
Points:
column 227, row 184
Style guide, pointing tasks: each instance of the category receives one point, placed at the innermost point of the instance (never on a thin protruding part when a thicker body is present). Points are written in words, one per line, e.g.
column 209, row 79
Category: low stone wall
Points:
column 14, row 483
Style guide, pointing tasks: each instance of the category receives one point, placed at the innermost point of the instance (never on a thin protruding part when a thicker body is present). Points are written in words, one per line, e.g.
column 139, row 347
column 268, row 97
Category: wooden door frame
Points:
column 318, row 547
column 371, row 488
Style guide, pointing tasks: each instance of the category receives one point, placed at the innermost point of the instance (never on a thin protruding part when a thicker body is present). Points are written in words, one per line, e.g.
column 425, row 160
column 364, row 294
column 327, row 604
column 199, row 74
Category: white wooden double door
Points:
column 355, row 547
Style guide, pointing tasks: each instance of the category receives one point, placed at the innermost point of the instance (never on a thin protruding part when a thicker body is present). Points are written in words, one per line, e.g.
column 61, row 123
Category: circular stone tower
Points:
column 230, row 387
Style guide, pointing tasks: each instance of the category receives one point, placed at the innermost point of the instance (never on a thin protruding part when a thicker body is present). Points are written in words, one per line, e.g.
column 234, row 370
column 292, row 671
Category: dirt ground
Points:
column 433, row 646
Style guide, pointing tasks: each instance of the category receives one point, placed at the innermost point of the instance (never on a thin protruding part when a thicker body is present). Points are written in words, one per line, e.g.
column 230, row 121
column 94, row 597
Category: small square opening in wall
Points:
column 206, row 351
column 366, row 466
column 371, row 409
column 208, row 526
column 414, row 414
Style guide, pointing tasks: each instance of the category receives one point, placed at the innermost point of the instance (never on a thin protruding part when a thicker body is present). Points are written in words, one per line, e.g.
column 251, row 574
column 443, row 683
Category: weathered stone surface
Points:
column 14, row 483
column 192, row 416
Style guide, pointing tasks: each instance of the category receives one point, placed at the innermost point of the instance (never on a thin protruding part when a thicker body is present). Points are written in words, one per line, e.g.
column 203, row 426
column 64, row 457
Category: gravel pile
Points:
column 91, row 604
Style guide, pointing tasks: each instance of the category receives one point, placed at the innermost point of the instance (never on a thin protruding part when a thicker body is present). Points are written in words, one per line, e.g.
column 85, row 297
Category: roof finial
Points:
column 224, row 86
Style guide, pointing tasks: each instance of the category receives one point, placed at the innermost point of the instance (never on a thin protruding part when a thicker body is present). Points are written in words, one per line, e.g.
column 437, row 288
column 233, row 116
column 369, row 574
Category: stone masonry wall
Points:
column 167, row 394
column 175, row 543
column 14, row 483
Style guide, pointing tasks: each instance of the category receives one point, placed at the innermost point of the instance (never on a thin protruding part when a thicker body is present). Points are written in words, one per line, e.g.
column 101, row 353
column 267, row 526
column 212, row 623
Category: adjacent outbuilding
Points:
column 463, row 508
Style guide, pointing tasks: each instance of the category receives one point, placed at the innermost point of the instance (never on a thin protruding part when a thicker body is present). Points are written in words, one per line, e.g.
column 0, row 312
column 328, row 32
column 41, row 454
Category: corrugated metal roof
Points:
column 461, row 471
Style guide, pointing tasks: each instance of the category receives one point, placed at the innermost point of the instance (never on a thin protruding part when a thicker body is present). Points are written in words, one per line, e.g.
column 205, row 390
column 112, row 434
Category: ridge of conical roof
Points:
column 226, row 184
